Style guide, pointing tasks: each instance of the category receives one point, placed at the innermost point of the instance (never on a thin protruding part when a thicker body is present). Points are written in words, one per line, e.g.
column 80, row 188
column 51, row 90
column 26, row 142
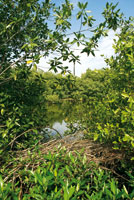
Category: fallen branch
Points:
column 55, row 130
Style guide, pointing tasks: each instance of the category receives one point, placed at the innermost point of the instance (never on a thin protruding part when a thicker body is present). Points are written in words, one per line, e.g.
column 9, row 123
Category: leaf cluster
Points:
column 65, row 176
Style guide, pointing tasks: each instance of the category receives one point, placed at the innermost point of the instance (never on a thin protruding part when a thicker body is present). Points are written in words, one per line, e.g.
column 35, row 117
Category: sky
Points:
column 105, row 44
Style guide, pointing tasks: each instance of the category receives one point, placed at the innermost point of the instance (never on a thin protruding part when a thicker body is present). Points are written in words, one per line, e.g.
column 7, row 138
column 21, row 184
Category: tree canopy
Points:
column 26, row 33
column 30, row 29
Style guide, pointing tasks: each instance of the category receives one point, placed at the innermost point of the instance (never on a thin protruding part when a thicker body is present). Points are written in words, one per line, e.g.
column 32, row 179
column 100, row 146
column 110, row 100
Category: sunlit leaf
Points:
column 29, row 61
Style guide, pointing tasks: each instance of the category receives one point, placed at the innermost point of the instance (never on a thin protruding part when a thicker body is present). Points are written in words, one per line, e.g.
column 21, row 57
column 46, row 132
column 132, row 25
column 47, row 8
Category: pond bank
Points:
column 103, row 155
column 99, row 153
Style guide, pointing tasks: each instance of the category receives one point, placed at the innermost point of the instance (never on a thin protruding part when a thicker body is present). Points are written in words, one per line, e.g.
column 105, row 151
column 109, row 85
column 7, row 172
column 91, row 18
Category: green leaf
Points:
column 126, row 138
column 55, row 172
column 125, row 189
column 34, row 67
column 25, row 45
column 28, row 5
column 15, row 77
column 59, row 21
column 84, row 159
column 113, row 187
column 77, row 187
column 1, row 183
column 66, row 193
column 80, row 5
column 71, row 157
column 85, row 5
column 68, row 170
column 71, row 191
column 92, row 52
column 2, row 111
column 88, row 197
column 96, row 136
column 125, row 95
column 79, row 15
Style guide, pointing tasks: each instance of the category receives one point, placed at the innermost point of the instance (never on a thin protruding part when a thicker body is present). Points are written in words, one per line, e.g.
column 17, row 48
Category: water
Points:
column 65, row 117
column 58, row 128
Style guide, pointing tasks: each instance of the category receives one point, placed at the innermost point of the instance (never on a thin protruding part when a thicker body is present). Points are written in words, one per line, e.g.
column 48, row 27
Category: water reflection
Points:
column 65, row 116
column 57, row 129
column 60, row 127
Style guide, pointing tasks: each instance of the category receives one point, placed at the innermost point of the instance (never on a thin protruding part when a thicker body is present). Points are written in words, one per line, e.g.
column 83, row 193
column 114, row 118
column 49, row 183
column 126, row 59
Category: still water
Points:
column 57, row 129
column 65, row 117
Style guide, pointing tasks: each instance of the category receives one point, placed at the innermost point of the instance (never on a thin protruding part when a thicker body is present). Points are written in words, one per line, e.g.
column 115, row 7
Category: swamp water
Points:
column 66, row 117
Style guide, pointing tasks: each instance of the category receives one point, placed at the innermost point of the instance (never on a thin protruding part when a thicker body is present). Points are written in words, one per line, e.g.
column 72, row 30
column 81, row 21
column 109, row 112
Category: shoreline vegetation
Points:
column 82, row 164
column 99, row 166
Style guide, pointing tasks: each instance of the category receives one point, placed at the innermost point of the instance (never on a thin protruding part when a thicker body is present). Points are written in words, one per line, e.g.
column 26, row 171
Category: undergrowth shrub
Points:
column 61, row 175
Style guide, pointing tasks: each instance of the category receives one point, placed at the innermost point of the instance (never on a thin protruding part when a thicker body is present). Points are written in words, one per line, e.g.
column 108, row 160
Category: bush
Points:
column 63, row 175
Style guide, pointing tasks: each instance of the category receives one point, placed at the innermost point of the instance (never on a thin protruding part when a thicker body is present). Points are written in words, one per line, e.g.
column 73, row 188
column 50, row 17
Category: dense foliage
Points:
column 65, row 176
column 119, row 100
column 25, row 35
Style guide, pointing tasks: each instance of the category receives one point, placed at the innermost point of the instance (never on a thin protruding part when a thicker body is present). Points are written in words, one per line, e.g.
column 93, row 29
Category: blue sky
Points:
column 97, row 6
column 105, row 45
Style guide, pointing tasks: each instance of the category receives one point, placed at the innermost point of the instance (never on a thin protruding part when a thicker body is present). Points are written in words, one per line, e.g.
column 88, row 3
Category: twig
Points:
column 5, row 70
column 20, row 136
column 55, row 130
column 6, row 80
column 115, row 173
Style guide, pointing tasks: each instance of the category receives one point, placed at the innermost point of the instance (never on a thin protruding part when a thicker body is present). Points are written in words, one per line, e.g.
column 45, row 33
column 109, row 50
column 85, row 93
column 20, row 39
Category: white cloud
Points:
column 97, row 62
